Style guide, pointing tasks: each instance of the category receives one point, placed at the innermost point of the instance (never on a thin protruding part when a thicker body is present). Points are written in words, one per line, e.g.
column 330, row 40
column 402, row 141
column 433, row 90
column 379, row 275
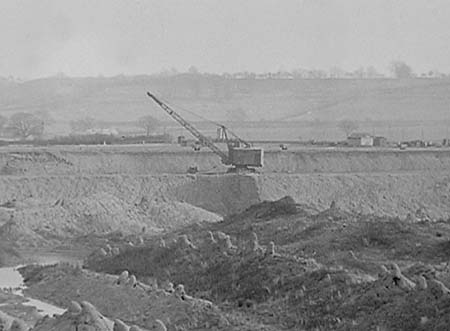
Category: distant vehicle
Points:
column 196, row 146
column 241, row 155
column 192, row 170
column 182, row 141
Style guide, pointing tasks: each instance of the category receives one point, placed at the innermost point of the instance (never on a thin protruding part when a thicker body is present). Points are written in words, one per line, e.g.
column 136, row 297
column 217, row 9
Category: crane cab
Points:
column 244, row 157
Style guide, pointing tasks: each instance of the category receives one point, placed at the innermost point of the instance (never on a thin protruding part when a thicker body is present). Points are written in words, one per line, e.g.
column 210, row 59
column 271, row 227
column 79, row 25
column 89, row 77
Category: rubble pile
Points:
column 270, row 209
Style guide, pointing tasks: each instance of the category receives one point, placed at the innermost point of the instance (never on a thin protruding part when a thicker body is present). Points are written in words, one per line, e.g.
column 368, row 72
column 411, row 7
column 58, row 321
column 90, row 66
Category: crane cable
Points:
column 173, row 105
column 178, row 107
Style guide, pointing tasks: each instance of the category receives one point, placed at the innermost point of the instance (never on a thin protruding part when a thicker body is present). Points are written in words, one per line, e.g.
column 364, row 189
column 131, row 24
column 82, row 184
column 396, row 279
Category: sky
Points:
column 41, row 38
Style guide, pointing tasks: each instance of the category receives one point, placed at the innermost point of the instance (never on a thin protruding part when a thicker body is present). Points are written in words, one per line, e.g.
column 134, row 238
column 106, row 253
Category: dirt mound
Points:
column 271, row 209
column 35, row 223
column 5, row 321
column 248, row 278
column 8, row 255
column 11, row 323
column 84, row 316
column 170, row 215
column 18, row 234
column 22, row 162
column 124, row 297
column 293, row 268
column 217, row 271
column 396, row 302
column 222, row 194
column 392, row 194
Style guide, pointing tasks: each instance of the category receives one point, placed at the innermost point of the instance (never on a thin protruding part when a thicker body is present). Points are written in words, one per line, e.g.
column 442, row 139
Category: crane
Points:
column 241, row 155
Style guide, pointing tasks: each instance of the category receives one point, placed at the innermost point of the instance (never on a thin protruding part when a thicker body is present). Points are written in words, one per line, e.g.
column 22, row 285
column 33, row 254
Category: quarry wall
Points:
column 394, row 194
column 394, row 183
column 142, row 162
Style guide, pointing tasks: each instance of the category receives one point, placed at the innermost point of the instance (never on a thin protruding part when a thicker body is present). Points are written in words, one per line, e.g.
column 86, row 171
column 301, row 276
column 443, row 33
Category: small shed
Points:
column 380, row 141
column 360, row 139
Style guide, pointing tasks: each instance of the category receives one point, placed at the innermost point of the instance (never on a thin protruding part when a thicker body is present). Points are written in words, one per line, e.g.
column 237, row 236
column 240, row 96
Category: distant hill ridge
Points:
column 123, row 97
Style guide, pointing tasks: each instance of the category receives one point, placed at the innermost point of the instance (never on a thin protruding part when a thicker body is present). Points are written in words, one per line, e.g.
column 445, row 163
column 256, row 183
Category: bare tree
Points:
column 400, row 69
column 24, row 125
column 83, row 125
column 348, row 126
column 148, row 123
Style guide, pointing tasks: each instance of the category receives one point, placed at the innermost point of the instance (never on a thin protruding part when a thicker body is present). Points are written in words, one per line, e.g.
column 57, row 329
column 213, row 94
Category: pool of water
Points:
column 10, row 278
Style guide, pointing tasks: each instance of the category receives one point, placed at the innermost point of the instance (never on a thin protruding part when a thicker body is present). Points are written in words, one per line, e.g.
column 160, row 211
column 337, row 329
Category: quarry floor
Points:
column 67, row 203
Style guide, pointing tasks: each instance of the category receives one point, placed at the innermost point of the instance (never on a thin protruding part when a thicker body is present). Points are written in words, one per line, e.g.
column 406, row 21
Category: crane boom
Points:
column 188, row 126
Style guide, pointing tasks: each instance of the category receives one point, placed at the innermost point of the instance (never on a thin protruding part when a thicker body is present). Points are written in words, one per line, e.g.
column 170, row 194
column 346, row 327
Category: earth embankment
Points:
column 47, row 195
column 144, row 160
column 394, row 194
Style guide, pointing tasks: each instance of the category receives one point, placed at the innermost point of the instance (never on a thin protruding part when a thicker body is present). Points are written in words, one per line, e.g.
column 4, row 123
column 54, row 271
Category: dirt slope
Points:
column 393, row 194
column 47, row 225
column 124, row 298
column 390, row 194
column 8, row 255
column 44, row 199
column 293, row 268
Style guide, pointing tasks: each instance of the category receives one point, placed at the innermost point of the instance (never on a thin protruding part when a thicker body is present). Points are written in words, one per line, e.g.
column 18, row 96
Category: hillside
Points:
column 123, row 98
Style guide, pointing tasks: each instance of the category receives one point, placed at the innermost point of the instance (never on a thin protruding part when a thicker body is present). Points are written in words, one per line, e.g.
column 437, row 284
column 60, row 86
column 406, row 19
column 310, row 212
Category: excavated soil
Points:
column 171, row 159
column 361, row 242
column 75, row 204
column 130, row 301
column 276, row 266
column 51, row 194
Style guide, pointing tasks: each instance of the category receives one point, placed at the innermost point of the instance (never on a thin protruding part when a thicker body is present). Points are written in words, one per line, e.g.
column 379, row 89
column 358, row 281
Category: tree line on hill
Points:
column 196, row 84
column 23, row 125
column 397, row 69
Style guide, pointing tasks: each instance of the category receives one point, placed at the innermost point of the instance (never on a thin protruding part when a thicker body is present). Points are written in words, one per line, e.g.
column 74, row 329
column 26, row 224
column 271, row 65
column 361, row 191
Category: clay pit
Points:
column 321, row 239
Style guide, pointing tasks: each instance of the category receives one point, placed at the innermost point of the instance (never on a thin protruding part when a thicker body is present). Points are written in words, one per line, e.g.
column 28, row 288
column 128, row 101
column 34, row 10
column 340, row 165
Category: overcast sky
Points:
column 91, row 37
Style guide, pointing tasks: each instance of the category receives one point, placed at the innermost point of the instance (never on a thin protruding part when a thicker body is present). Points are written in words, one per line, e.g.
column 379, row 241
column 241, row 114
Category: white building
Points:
column 360, row 139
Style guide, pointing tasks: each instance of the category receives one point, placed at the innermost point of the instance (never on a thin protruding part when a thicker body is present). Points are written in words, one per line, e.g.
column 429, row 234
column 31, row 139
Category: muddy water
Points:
column 10, row 278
